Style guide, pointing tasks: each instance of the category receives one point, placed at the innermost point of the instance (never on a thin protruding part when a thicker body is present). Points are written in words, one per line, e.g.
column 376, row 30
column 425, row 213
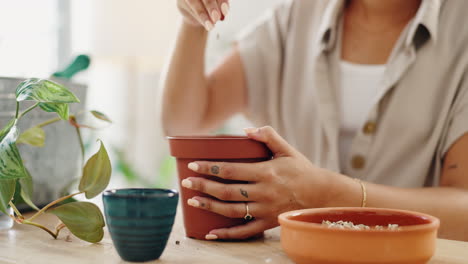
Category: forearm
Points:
column 184, row 83
column 447, row 203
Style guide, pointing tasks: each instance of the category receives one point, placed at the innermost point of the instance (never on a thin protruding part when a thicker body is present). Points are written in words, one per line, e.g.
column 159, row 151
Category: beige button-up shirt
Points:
column 291, row 61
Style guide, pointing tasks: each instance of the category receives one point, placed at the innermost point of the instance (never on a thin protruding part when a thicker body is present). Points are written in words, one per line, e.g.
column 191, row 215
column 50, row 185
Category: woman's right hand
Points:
column 204, row 13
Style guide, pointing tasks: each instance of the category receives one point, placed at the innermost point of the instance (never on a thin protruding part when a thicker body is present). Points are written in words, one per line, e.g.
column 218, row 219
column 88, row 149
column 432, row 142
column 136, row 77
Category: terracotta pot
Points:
column 306, row 240
column 198, row 222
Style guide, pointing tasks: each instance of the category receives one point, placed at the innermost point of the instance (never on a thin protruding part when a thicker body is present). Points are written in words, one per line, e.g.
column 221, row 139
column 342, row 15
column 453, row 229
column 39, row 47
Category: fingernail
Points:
column 215, row 15
column 225, row 9
column 208, row 25
column 251, row 130
column 193, row 166
column 211, row 237
column 187, row 183
column 193, row 202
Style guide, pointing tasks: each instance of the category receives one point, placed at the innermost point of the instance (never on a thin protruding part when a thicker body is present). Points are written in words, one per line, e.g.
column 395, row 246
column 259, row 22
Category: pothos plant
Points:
column 83, row 219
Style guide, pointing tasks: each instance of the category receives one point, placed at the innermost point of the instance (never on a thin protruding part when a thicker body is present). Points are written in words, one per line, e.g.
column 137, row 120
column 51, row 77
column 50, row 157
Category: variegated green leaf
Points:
column 101, row 116
column 62, row 110
column 11, row 164
column 44, row 91
column 7, row 190
column 96, row 174
column 35, row 136
column 27, row 190
column 83, row 219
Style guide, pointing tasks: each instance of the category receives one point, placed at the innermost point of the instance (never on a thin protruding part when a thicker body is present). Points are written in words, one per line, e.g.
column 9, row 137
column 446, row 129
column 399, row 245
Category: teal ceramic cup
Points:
column 140, row 221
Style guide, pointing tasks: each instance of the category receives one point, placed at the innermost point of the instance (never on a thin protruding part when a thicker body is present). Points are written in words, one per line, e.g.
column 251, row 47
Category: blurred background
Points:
column 128, row 43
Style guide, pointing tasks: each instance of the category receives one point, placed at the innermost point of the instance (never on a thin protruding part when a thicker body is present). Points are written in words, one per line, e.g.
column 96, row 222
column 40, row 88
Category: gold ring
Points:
column 247, row 216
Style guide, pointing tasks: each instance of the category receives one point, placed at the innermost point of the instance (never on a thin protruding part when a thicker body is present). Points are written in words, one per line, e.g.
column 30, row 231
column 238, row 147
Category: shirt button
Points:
column 358, row 162
column 369, row 128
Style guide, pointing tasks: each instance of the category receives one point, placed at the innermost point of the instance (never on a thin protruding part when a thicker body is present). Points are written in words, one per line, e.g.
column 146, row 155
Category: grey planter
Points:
column 56, row 164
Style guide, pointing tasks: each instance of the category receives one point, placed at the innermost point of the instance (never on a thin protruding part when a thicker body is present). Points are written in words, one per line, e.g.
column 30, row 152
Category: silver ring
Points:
column 247, row 216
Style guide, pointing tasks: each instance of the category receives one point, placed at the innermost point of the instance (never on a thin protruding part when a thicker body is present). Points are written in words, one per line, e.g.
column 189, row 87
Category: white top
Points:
column 291, row 59
column 359, row 86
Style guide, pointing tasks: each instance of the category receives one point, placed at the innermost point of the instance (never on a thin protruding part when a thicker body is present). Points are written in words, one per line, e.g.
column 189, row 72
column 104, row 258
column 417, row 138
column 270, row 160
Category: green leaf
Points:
column 27, row 190
column 101, row 116
column 35, row 136
column 11, row 164
column 96, row 174
column 62, row 110
column 44, row 91
column 83, row 219
column 7, row 190
column 17, row 200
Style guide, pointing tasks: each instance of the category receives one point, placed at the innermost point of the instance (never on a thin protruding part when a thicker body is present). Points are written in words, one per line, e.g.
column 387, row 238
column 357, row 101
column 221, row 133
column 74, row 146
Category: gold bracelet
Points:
column 364, row 193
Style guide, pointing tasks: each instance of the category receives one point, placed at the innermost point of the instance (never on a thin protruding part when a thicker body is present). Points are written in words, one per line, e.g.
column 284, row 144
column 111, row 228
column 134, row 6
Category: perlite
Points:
column 350, row 225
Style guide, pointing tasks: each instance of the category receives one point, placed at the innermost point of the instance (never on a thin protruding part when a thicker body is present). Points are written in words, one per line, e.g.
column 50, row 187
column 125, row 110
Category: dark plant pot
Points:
column 198, row 222
column 140, row 221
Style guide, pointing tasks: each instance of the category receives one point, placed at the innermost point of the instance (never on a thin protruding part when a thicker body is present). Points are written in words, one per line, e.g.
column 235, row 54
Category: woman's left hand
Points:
column 287, row 182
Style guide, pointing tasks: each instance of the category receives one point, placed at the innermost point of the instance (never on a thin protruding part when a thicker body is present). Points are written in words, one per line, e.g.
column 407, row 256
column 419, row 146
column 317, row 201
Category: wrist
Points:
column 342, row 191
column 192, row 25
column 327, row 188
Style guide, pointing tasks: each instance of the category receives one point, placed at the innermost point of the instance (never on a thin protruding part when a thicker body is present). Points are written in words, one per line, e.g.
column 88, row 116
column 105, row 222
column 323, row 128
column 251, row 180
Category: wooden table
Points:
column 26, row 244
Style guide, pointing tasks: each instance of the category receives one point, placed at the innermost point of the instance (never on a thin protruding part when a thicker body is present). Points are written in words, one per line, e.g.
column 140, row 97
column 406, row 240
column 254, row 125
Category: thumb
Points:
column 272, row 139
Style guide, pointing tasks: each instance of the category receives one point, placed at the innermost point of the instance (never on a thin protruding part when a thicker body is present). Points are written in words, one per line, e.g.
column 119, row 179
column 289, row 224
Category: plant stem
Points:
column 48, row 122
column 59, row 227
column 17, row 109
column 27, row 222
column 51, row 121
column 27, row 110
column 75, row 124
column 17, row 212
column 80, row 140
column 52, row 204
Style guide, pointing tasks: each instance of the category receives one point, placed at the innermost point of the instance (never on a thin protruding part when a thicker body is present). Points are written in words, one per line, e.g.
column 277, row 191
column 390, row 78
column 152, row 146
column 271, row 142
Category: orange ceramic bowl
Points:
column 306, row 240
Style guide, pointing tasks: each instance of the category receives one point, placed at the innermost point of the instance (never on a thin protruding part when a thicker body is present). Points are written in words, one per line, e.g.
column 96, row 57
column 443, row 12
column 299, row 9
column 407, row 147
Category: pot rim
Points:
column 284, row 220
column 219, row 147
column 158, row 193
column 216, row 137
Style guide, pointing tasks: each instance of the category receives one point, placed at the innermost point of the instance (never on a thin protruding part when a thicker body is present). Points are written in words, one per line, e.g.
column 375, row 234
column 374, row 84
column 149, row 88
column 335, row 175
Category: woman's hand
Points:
column 287, row 182
column 204, row 13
